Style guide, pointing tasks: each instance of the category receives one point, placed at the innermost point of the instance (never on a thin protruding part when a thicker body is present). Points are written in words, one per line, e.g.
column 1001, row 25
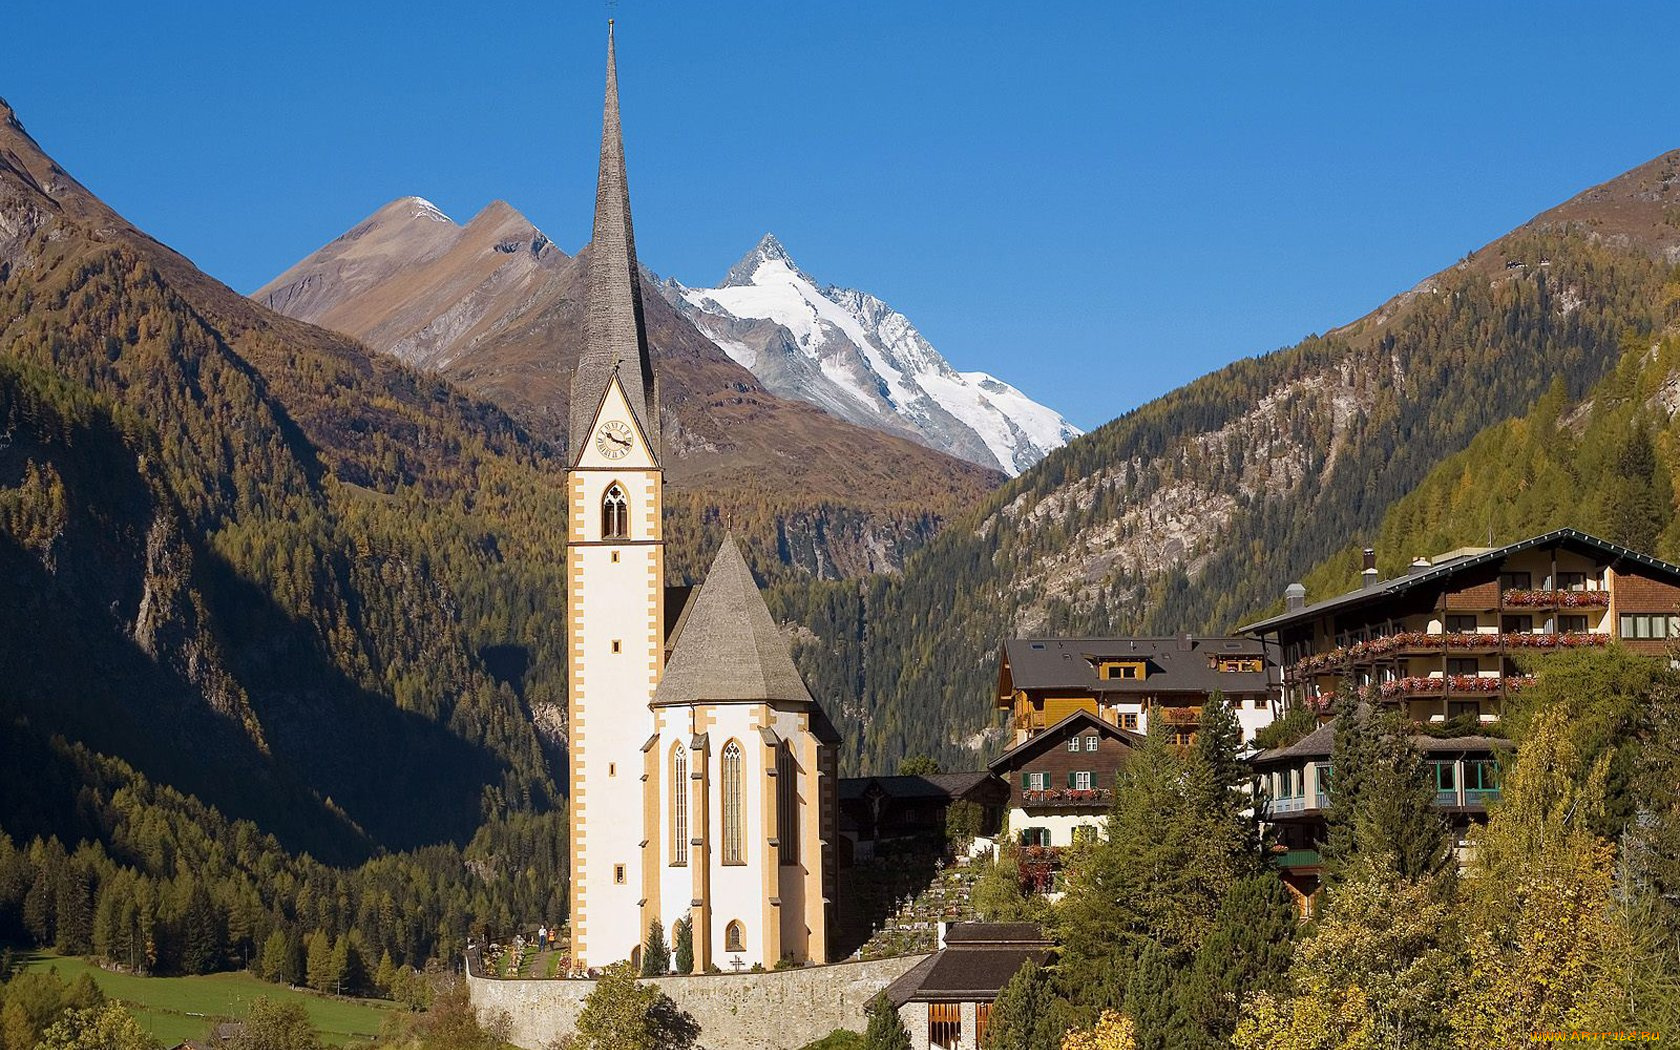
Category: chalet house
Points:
column 946, row 1000
column 1129, row 681
column 876, row 809
column 1296, row 783
column 1442, row 641
column 1061, row 781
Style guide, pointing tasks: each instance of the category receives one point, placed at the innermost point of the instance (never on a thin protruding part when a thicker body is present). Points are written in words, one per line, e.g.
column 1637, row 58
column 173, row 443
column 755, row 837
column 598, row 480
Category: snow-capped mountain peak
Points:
column 849, row 352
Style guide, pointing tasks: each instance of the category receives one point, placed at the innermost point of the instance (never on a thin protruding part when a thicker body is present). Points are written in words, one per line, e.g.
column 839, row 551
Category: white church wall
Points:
column 617, row 647
column 737, row 890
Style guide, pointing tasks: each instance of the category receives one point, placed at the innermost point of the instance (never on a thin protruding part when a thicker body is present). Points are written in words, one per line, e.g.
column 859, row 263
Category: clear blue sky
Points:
column 1097, row 202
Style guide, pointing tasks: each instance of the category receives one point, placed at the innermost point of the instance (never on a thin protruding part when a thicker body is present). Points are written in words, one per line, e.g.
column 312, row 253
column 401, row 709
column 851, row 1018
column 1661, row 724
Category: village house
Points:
column 1294, row 785
column 1446, row 639
column 1061, row 781
column 1127, row 682
column 946, row 1000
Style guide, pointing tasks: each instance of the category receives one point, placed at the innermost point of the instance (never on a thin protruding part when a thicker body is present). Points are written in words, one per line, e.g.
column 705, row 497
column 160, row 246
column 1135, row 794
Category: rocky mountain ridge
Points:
column 852, row 354
column 1192, row 512
column 495, row 307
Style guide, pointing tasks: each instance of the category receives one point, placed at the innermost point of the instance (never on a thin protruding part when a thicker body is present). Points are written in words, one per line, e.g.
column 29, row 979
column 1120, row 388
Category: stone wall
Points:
column 778, row 1010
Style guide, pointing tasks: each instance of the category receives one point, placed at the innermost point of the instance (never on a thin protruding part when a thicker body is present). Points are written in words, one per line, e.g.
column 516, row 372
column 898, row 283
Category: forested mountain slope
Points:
column 496, row 308
column 1608, row 464
column 1192, row 512
column 253, row 560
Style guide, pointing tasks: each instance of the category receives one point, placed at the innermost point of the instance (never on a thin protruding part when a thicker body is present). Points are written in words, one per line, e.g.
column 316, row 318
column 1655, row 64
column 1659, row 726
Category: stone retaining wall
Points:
column 778, row 1010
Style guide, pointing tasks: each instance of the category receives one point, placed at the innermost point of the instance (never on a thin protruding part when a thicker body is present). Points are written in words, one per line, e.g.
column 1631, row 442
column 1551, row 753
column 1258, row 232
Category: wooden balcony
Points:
column 1067, row 798
column 1420, row 643
column 1178, row 716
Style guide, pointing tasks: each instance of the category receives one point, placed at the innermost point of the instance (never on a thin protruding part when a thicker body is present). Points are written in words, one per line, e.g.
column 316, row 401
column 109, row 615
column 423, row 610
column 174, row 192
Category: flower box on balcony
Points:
column 1539, row 599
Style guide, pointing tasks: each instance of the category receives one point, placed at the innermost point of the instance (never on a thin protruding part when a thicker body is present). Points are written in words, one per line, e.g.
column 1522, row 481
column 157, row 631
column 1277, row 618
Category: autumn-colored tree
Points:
column 107, row 1027
column 1381, row 969
column 276, row 1025
column 620, row 1013
column 1113, row 1031
column 1541, row 924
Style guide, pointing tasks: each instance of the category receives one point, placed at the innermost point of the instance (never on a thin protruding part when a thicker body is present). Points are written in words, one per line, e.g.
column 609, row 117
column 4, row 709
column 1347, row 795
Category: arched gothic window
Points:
column 615, row 514
column 787, row 806
column 732, row 812
column 679, row 805
column 735, row 937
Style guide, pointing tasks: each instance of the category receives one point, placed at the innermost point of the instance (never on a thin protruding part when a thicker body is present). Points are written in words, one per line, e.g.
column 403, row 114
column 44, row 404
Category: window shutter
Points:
column 1026, row 781
column 1071, row 779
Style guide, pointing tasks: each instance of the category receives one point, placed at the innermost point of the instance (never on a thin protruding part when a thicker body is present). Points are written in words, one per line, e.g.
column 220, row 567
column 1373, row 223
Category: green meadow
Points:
column 175, row 1008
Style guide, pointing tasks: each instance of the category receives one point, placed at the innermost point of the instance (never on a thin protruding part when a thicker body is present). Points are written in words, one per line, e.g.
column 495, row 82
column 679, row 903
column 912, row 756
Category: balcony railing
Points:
column 1459, row 641
column 1282, row 807
column 1541, row 599
column 1083, row 798
column 1297, row 858
column 1416, row 685
column 1179, row 716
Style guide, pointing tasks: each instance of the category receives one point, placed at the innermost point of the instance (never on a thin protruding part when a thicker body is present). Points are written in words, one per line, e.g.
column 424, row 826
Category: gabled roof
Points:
column 1570, row 539
column 1172, row 664
column 977, row 961
column 729, row 648
column 931, row 785
column 615, row 334
column 1057, row 734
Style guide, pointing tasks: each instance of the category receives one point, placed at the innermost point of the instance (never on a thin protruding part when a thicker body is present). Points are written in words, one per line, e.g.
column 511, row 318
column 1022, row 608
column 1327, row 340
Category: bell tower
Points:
column 615, row 573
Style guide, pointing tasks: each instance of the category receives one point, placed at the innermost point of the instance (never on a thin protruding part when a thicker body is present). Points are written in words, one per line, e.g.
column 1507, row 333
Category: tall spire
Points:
column 615, row 333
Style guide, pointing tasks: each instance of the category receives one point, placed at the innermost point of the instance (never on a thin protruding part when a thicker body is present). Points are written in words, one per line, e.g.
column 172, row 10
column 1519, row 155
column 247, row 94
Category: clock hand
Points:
column 622, row 441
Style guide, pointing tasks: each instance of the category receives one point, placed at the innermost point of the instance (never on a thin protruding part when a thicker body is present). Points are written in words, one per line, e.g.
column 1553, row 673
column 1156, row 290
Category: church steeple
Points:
column 615, row 332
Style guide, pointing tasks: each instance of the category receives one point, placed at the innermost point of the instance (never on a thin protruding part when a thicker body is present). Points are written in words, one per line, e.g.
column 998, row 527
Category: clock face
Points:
column 614, row 439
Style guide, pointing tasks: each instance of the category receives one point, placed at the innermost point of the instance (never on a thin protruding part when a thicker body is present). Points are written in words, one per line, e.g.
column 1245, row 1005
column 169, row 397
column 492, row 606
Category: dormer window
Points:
column 615, row 514
column 1129, row 671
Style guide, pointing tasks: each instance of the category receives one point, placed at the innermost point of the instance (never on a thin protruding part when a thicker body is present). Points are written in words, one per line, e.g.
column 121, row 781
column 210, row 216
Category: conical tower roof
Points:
column 729, row 648
column 614, row 331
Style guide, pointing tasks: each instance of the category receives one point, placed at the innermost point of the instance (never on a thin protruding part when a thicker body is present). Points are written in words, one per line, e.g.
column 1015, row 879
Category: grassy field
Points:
column 175, row 1008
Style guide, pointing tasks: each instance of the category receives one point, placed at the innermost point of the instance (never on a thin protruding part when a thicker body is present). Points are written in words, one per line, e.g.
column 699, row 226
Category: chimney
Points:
column 1369, row 576
column 1420, row 563
column 1294, row 597
column 1185, row 644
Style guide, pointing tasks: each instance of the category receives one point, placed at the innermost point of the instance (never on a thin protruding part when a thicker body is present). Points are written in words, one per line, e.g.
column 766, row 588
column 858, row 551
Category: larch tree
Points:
column 1541, row 924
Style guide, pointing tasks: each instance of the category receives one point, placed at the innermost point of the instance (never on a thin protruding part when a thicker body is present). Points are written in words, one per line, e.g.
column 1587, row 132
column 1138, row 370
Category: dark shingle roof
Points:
column 615, row 334
column 1174, row 664
column 995, row 933
column 1567, row 538
column 729, row 648
column 1055, row 735
column 1317, row 744
column 933, row 785
column 978, row 959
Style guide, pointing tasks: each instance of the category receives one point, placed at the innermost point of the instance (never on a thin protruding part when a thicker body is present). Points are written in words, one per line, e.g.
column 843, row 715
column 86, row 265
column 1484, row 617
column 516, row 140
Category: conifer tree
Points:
column 272, row 965
column 1247, row 951
column 1381, row 799
column 656, row 956
column 318, row 964
column 885, row 1031
column 682, row 932
column 1028, row 1014
column 1149, row 999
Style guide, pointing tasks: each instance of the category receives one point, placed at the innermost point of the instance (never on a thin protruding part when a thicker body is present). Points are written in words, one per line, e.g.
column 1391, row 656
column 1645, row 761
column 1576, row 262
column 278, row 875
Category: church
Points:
column 703, row 773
